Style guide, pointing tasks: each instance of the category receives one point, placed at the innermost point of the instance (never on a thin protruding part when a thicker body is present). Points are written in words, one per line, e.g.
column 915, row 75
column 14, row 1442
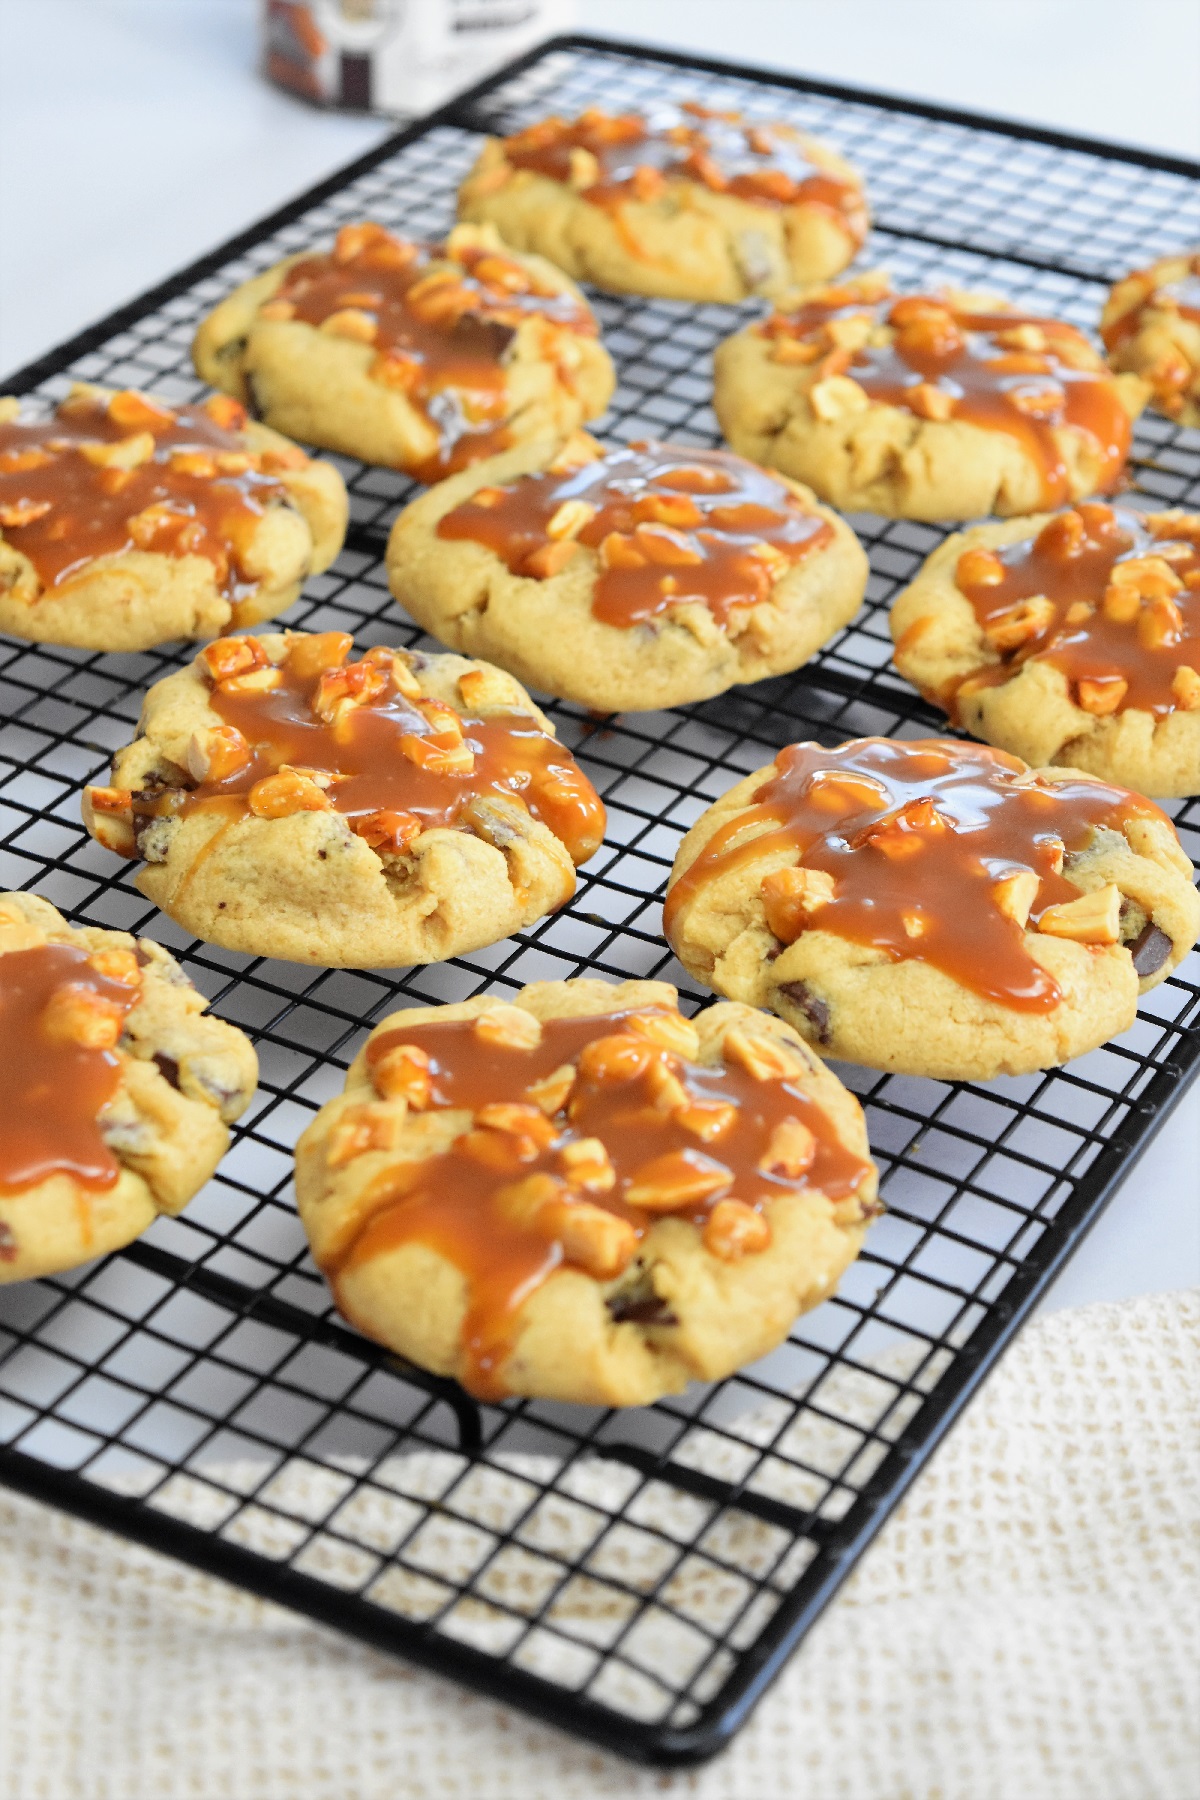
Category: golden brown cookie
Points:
column 1151, row 325
column 628, row 579
column 1070, row 637
column 582, row 1195
column 116, row 1091
column 424, row 357
column 684, row 202
column 126, row 521
column 933, row 907
column 396, row 810
column 930, row 406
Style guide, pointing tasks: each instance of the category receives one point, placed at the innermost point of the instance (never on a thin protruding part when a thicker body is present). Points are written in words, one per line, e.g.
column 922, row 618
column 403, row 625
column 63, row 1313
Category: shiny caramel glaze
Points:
column 499, row 1204
column 439, row 325
column 633, row 157
column 917, row 838
column 1115, row 605
column 1004, row 371
column 360, row 739
column 671, row 526
column 53, row 1085
column 106, row 476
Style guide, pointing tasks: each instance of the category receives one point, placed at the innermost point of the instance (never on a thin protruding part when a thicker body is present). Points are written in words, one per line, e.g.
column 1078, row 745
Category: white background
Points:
column 135, row 135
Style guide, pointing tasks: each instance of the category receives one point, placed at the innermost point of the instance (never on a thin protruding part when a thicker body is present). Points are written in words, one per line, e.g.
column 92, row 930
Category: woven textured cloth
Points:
column 1027, row 1627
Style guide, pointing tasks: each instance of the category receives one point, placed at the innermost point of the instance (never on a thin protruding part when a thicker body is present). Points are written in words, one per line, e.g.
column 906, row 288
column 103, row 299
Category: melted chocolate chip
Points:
column 814, row 1010
column 638, row 1307
column 167, row 1067
column 1150, row 950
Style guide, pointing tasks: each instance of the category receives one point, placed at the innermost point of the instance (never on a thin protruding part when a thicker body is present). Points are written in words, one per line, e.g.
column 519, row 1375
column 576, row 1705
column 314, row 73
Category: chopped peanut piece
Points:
column 22, row 512
column 1160, row 623
column 765, row 1058
column 226, row 412
column 390, row 832
column 1016, row 626
column 1078, row 611
column 257, row 681
column 523, row 1201
column 363, row 1128
column 395, row 664
column 617, row 551
column 108, row 815
column 215, row 752
column 277, row 309
column 791, row 897
column 569, row 519
column 670, row 1031
column 706, row 1119
column 680, row 1178
column 679, row 510
column 790, row 1151
column 315, row 654
column 594, row 1239
column 794, row 352
column 403, row 1073
column 129, row 453
column 663, row 544
column 1122, row 603
column 773, row 559
column 1152, row 577
column 518, row 1120
column 75, row 1015
column 340, row 690
column 734, row 1230
column 1092, row 919
column 137, row 412
column 667, row 1092
column 554, row 1090
column 509, row 1028
column 233, row 656
column 586, row 1165
column 979, row 568
column 614, row 1059
column 1102, row 694
column 486, row 687
column 458, row 759
column 548, row 559
column 279, row 796
column 579, row 449
column 1016, row 894
column 117, row 964
column 351, row 322
column 929, row 401
column 837, row 396
column 1185, row 688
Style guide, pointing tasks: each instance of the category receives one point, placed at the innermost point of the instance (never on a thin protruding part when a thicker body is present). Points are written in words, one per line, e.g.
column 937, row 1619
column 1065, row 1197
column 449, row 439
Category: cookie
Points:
column 1151, row 325
column 396, row 810
column 931, row 406
column 116, row 1092
column 581, row 1195
column 423, row 357
column 1070, row 637
column 933, row 907
column 628, row 579
column 682, row 202
column 126, row 521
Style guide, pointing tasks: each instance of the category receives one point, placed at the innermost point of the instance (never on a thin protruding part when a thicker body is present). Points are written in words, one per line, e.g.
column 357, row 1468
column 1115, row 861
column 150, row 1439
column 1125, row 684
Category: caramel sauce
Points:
column 1181, row 297
column 1028, row 394
column 687, row 524
column 456, row 1204
column 765, row 164
column 371, row 756
column 1074, row 574
column 52, row 1089
column 441, row 328
column 916, row 837
column 63, row 510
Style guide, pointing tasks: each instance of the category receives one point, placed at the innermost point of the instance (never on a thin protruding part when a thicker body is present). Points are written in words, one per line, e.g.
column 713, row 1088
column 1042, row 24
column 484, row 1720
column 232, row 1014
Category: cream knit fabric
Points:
column 1026, row 1628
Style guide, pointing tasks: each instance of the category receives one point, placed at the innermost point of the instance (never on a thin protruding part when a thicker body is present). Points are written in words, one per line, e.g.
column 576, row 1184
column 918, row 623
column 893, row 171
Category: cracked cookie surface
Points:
column 116, row 1089
column 1070, row 638
column 126, row 522
column 925, row 406
column 422, row 357
column 287, row 801
column 682, row 202
column 581, row 1195
column 639, row 577
column 933, row 907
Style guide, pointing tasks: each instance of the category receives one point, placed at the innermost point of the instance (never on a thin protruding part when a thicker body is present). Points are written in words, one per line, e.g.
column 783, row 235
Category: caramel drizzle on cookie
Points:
column 439, row 323
column 106, row 477
column 670, row 527
column 1013, row 372
column 574, row 1136
column 1109, row 597
column 613, row 159
column 62, row 1012
column 317, row 733
column 932, row 851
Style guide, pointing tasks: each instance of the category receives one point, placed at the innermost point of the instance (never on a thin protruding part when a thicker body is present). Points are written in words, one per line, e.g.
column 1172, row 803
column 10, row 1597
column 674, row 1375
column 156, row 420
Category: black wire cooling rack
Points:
column 637, row 1577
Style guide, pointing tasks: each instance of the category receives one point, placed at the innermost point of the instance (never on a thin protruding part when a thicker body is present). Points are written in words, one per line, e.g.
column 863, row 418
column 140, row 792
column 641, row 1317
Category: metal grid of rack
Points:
column 635, row 1577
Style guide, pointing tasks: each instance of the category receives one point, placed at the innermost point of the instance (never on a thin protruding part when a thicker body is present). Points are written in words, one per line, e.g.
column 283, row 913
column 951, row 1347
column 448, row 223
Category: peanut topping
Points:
column 319, row 734
column 62, row 1011
column 1110, row 597
column 936, row 850
column 103, row 478
column 665, row 525
column 1144, row 299
column 564, row 1159
column 612, row 160
column 438, row 321
column 941, row 361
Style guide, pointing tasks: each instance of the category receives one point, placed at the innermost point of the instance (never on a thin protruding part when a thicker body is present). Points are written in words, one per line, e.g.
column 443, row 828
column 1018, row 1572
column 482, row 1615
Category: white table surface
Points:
column 135, row 135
